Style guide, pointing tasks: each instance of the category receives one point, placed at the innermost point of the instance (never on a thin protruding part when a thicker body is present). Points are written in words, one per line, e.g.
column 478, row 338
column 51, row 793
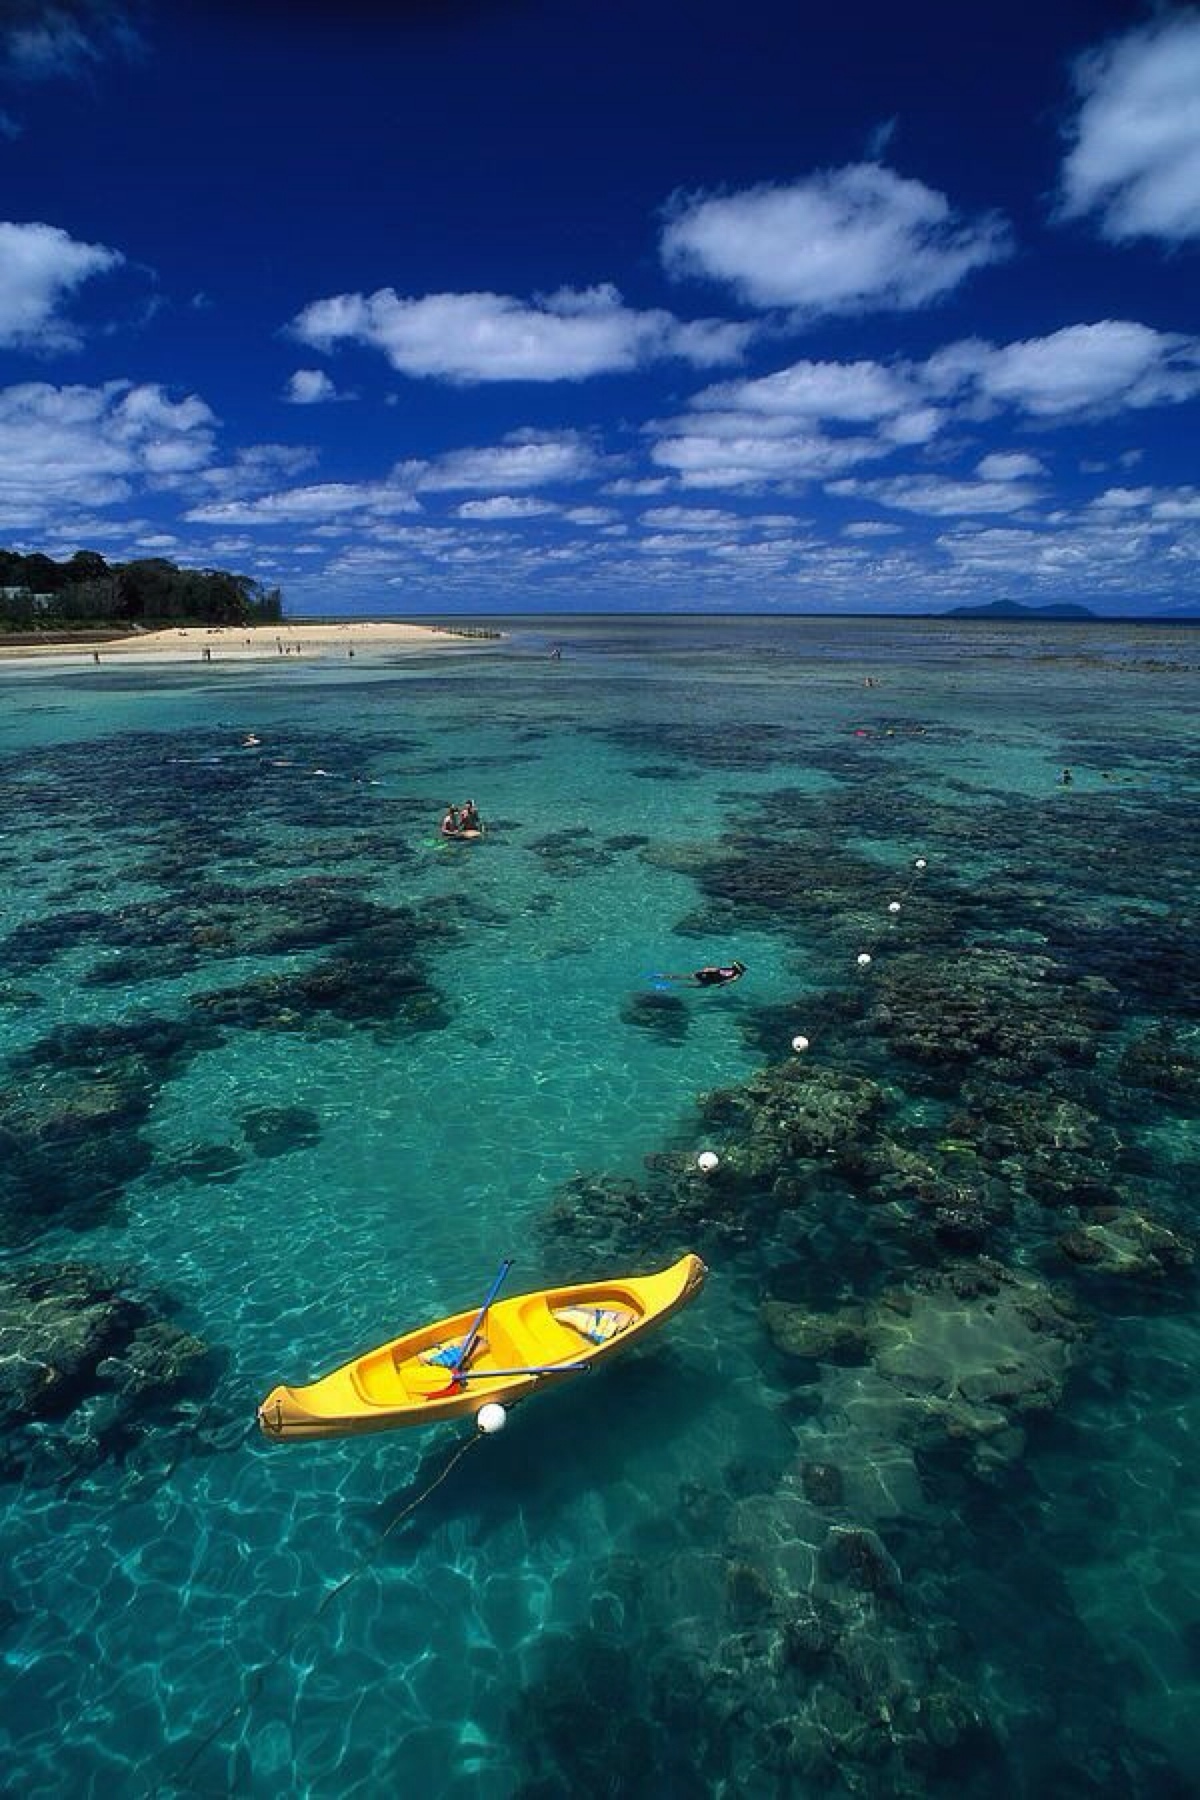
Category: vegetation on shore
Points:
column 85, row 592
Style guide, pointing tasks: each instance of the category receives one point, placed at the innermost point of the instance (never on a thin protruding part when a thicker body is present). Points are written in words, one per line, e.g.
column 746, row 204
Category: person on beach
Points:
column 711, row 975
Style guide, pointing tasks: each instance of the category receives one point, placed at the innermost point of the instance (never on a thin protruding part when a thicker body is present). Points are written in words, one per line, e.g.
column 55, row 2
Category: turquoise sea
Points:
column 904, row 1504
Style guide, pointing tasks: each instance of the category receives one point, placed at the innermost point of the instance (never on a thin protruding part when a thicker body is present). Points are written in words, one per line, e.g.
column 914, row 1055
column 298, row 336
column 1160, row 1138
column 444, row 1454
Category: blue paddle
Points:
column 538, row 1369
column 460, row 1377
column 468, row 1343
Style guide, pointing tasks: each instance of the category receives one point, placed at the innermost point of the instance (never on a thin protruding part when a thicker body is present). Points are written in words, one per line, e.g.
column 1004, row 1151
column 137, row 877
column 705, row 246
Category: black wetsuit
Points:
column 716, row 977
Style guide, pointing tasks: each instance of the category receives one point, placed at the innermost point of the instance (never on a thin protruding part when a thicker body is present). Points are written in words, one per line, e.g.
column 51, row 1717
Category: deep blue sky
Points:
column 530, row 305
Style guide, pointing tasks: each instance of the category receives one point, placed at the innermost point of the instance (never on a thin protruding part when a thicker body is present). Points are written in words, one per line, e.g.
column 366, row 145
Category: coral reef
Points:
column 88, row 1367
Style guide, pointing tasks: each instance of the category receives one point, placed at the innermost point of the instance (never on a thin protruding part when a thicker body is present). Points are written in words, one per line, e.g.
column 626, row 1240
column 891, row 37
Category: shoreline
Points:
column 245, row 643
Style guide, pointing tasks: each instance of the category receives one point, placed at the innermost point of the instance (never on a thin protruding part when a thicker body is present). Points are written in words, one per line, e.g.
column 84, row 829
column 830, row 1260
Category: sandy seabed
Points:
column 242, row 643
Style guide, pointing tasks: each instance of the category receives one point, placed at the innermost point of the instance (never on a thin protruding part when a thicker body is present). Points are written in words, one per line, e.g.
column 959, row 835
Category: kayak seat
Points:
column 445, row 1356
column 598, row 1324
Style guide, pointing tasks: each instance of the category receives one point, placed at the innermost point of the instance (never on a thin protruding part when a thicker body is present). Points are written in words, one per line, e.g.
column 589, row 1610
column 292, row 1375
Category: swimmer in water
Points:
column 711, row 975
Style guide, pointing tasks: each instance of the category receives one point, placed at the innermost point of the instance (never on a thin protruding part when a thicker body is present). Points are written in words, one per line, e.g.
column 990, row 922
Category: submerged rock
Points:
column 87, row 1366
column 1124, row 1242
column 72, row 1118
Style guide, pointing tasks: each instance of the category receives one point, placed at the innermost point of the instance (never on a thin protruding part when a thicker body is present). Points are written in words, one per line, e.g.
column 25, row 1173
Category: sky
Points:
column 471, row 306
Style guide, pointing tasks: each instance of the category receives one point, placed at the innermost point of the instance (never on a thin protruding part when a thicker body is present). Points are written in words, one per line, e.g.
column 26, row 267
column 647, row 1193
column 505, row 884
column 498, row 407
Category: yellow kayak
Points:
column 522, row 1342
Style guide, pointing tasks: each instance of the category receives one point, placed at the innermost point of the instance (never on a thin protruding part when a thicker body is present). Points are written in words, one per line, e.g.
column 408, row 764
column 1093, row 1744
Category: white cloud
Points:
column 1174, row 506
column 691, row 518
column 320, row 502
column 589, row 515
column 75, row 447
column 306, row 387
column 850, row 240
column 1009, row 465
column 940, row 496
column 40, row 268
column 857, row 393
column 628, row 487
column 738, row 450
column 1080, row 371
column 505, row 506
column 1135, row 160
column 526, row 459
column 871, row 528
column 468, row 338
column 253, row 470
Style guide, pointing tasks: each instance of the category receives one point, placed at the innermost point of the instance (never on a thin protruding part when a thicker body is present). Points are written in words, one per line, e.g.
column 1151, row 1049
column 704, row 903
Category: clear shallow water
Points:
column 960, row 1560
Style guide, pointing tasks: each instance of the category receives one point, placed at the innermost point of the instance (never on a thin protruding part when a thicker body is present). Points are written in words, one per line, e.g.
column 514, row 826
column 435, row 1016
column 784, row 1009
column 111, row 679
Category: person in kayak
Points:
column 711, row 975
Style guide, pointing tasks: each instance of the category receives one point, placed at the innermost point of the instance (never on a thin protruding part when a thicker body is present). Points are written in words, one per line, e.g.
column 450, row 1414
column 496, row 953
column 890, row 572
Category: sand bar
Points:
column 243, row 643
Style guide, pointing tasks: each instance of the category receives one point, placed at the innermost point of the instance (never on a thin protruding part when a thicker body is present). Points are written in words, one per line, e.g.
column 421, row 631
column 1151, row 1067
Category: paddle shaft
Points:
column 495, row 1374
column 468, row 1343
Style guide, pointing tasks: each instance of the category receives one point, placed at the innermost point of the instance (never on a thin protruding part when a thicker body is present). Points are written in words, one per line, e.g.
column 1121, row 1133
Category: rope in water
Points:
column 179, row 1778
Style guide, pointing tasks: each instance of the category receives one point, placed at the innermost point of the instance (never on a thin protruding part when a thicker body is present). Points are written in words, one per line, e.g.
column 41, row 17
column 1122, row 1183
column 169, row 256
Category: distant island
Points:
column 85, row 592
column 1015, row 609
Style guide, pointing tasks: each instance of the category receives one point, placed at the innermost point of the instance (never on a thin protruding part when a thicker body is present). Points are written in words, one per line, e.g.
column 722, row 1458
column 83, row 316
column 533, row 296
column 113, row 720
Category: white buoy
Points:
column 920, row 863
column 864, row 960
column 800, row 1042
column 491, row 1418
column 707, row 1161
column 893, row 906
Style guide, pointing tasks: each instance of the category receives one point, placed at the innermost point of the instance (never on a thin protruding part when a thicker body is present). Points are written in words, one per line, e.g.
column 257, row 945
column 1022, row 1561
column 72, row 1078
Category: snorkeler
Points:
column 712, row 975
column 469, row 819
column 452, row 822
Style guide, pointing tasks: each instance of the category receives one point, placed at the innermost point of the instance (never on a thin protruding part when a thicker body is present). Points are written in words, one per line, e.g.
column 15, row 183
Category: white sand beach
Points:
column 242, row 643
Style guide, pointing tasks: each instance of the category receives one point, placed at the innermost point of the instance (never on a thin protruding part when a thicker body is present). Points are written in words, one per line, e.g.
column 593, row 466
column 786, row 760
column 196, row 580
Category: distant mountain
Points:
column 1013, row 609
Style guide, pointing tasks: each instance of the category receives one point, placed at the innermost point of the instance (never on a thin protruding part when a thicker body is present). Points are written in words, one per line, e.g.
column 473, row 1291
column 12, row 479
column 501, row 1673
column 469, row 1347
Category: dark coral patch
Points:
column 89, row 1368
column 664, row 1015
column 71, row 1118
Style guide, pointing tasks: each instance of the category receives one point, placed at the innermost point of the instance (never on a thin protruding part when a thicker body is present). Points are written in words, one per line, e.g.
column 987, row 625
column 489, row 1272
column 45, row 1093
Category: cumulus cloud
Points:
column 732, row 454
column 253, row 470
column 1135, row 157
column 506, row 506
column 691, row 518
column 1009, row 465
column 857, row 392
column 307, row 387
column 319, row 503
column 1081, row 370
column 471, row 338
column 40, row 268
column 940, row 496
column 75, row 447
column 526, row 459
column 816, row 420
column 842, row 241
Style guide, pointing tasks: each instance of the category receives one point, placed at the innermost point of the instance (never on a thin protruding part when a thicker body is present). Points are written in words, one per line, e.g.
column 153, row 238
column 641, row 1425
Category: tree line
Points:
column 39, row 594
